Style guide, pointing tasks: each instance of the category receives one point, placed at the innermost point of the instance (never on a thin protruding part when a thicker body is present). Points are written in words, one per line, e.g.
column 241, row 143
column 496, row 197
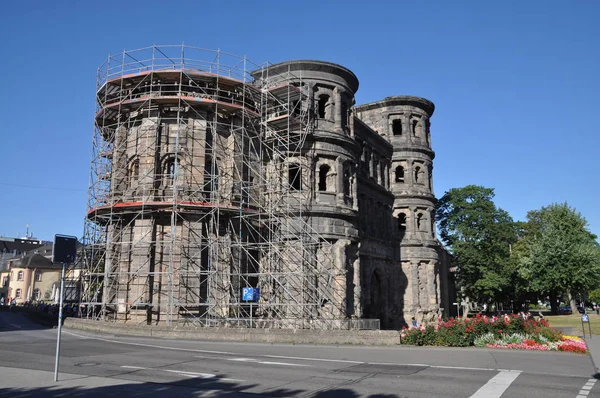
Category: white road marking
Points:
column 465, row 368
column 585, row 390
column 496, row 386
column 194, row 374
column 183, row 373
column 312, row 359
column 264, row 362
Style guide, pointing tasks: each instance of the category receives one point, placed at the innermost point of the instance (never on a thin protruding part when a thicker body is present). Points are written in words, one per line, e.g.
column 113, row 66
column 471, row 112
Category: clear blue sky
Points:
column 515, row 85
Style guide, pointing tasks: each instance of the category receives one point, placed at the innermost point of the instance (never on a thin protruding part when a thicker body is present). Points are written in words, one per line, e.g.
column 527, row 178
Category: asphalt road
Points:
column 94, row 365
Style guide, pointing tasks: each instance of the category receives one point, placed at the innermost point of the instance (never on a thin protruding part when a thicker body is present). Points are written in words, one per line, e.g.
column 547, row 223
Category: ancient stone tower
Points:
column 404, row 122
column 226, row 193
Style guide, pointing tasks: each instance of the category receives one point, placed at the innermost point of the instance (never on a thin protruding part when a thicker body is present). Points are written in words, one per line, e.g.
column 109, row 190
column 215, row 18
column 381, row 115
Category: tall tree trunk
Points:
column 572, row 302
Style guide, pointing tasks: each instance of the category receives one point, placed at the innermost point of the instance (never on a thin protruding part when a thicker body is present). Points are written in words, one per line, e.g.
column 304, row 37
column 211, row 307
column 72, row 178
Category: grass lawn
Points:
column 574, row 321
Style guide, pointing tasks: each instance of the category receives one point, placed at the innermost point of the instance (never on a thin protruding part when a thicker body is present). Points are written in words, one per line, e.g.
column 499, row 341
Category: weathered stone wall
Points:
column 290, row 336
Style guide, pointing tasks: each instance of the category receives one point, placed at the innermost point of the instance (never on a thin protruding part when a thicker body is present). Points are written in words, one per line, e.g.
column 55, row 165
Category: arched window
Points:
column 419, row 221
column 323, row 106
column 417, row 176
column 170, row 168
column 399, row 174
column 397, row 127
column 18, row 293
column 134, row 171
column 295, row 177
column 414, row 124
column 401, row 222
column 20, row 276
column 323, row 172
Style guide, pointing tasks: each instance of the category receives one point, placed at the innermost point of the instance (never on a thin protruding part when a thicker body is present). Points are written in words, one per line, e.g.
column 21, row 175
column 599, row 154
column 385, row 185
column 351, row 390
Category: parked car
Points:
column 566, row 310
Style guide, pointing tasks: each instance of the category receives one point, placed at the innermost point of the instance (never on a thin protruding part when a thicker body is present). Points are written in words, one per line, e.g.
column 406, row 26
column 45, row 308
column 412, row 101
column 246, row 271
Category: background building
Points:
column 234, row 194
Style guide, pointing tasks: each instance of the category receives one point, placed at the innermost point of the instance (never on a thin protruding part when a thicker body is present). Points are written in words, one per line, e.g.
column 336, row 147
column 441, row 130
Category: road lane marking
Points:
column 585, row 390
column 194, row 374
column 183, row 373
column 313, row 359
column 496, row 386
column 252, row 360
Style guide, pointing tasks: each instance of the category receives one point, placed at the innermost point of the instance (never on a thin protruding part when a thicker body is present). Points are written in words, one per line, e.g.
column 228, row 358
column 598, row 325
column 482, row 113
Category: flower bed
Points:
column 507, row 332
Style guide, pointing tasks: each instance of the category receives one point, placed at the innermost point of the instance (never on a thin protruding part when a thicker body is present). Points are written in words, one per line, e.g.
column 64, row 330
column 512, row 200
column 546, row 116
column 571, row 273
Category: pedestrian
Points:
column 415, row 324
column 540, row 316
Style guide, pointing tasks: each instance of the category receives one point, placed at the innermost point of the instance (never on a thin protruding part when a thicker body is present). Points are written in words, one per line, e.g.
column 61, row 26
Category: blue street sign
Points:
column 585, row 318
column 247, row 294
column 250, row 294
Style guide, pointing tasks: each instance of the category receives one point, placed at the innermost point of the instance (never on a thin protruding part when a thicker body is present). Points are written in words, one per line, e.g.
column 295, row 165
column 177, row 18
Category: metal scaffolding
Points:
column 201, row 187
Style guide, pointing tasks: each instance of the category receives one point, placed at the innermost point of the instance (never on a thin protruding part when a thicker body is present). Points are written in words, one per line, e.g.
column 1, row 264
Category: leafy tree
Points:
column 480, row 236
column 561, row 255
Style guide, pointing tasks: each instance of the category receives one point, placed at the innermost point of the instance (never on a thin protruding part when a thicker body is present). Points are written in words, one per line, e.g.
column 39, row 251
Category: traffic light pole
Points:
column 60, row 316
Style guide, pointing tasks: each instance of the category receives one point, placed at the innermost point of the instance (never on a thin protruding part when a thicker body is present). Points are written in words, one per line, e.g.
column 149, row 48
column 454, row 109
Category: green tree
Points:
column 480, row 237
column 562, row 256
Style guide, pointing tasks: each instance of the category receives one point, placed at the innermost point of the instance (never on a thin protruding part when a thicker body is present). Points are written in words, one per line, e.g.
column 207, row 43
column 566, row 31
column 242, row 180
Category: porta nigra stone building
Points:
column 227, row 193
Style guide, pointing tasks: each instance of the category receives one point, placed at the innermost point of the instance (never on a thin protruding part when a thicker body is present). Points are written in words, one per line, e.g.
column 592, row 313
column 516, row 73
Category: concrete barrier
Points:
column 294, row 336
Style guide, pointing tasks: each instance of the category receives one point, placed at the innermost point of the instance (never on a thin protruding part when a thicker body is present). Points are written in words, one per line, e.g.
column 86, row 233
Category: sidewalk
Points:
column 593, row 343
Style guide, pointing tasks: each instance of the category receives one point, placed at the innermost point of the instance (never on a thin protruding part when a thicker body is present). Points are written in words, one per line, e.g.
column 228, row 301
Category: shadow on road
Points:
column 14, row 320
column 185, row 388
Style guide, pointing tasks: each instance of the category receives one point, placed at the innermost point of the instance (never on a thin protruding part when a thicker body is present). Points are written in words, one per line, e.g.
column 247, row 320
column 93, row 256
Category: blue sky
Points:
column 514, row 82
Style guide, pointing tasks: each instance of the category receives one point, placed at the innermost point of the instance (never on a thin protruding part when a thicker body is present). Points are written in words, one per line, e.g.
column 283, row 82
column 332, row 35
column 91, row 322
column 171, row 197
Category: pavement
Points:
column 97, row 365
column 593, row 344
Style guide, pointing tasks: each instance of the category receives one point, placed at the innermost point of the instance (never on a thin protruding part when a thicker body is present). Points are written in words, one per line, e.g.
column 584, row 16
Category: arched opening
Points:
column 170, row 168
column 134, row 171
column 397, row 127
column 401, row 223
column 420, row 223
column 414, row 124
column 322, row 106
column 323, row 172
column 399, row 174
column 417, row 175
column 295, row 177
column 20, row 276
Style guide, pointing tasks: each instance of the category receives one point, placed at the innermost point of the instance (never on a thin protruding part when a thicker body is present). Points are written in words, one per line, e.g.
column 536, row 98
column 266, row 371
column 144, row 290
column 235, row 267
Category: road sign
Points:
column 64, row 249
column 250, row 293
column 585, row 318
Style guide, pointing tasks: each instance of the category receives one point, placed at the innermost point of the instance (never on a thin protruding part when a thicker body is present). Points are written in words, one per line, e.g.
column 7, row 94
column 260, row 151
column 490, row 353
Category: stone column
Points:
column 414, row 282
column 357, row 291
column 337, row 115
column 431, row 286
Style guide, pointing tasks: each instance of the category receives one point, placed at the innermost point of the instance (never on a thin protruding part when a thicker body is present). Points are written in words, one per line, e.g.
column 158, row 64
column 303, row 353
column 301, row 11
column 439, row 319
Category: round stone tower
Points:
column 328, row 165
column 404, row 122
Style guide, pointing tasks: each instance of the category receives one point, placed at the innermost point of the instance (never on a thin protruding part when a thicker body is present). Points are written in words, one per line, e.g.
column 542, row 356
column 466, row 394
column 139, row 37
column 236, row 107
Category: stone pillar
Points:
column 337, row 115
column 357, row 285
column 414, row 283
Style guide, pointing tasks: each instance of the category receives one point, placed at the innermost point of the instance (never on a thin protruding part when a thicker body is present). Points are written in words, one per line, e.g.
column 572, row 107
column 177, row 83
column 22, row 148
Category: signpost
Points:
column 250, row 294
column 64, row 251
column 586, row 319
